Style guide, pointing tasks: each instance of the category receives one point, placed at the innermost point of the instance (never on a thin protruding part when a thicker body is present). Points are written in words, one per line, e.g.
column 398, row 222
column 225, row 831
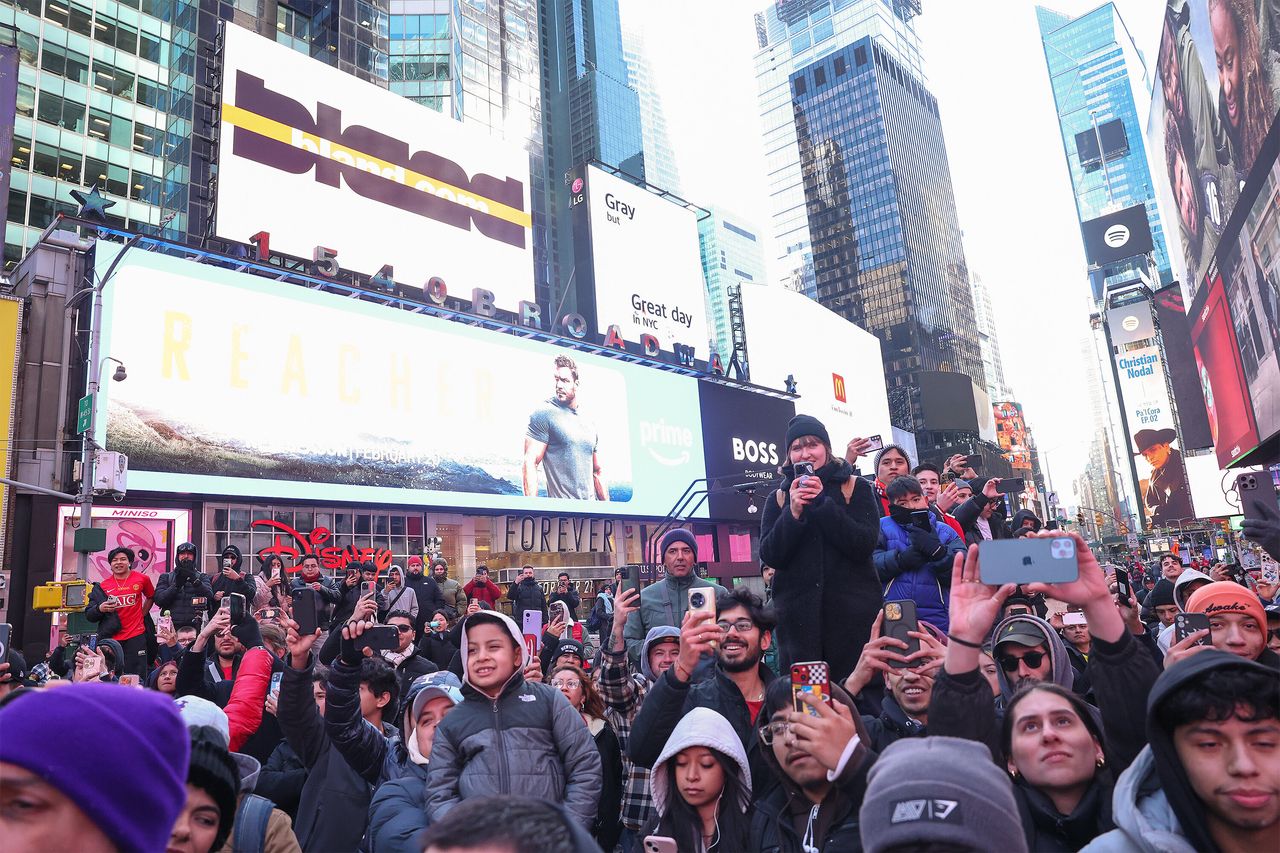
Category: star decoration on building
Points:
column 92, row 203
column 791, row 383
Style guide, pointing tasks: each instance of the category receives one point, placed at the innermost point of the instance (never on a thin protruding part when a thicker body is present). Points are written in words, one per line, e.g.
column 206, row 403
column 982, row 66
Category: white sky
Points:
column 986, row 67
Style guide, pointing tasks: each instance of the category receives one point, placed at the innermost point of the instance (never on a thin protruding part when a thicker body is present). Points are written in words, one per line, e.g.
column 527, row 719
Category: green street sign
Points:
column 84, row 414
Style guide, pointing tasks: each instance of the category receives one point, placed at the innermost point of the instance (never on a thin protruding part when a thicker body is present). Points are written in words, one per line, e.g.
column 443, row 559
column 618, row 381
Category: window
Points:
column 151, row 95
column 145, row 188
column 60, row 112
column 21, row 153
column 860, row 55
column 840, row 66
column 801, row 88
column 820, row 76
column 26, row 100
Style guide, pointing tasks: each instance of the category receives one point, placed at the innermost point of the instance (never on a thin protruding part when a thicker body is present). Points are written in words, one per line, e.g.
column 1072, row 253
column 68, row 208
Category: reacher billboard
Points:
column 239, row 385
column 836, row 365
column 316, row 157
column 646, row 262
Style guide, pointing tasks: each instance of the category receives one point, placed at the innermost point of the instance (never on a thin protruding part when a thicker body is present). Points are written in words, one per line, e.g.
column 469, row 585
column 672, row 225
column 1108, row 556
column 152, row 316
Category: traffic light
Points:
column 60, row 596
column 1080, row 518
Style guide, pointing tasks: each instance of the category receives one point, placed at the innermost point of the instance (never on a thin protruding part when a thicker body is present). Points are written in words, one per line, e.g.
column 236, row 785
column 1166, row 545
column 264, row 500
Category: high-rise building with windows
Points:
column 732, row 253
column 1101, row 95
column 791, row 35
column 660, row 169
column 885, row 239
column 988, row 340
column 589, row 112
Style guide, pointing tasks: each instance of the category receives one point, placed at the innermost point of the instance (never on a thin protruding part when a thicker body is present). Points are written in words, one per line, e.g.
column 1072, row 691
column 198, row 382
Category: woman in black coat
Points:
column 819, row 532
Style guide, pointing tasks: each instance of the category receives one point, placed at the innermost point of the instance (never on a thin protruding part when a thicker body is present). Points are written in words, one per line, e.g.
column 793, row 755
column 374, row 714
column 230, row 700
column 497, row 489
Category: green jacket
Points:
column 662, row 603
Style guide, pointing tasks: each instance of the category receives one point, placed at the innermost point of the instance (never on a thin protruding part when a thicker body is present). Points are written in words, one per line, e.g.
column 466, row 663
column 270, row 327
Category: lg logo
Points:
column 755, row 451
column 1116, row 236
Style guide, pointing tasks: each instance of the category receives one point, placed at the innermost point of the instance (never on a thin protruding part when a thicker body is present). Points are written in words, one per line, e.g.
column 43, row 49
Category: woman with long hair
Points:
column 576, row 686
column 1054, row 748
column 701, row 786
column 1245, row 103
column 269, row 583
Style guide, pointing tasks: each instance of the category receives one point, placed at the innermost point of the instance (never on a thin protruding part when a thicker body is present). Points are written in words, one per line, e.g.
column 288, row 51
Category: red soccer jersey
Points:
column 132, row 592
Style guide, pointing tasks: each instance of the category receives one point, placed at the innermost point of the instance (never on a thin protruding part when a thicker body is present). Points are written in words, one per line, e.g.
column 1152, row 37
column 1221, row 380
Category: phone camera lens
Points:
column 697, row 599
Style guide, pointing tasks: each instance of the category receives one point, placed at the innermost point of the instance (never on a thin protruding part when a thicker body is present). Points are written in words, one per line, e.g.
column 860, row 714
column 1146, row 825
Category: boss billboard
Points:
column 743, row 435
column 1117, row 236
column 241, row 386
column 645, row 266
column 318, row 158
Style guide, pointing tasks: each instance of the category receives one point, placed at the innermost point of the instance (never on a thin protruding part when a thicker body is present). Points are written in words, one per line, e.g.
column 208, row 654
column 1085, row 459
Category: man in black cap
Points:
column 1165, row 493
column 665, row 602
column 186, row 592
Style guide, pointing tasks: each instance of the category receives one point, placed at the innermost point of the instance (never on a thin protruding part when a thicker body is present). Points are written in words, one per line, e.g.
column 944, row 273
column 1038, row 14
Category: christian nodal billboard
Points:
column 318, row 158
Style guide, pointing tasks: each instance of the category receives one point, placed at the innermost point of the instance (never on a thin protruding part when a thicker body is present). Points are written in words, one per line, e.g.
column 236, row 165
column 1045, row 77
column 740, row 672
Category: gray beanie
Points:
column 939, row 789
column 677, row 534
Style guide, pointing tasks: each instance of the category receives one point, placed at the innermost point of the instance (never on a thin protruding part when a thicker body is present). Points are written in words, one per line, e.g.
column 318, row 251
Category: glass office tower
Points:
column 731, row 254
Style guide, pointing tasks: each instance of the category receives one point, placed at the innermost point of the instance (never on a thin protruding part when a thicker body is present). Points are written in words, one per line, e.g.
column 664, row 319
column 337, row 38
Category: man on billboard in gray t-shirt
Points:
column 564, row 443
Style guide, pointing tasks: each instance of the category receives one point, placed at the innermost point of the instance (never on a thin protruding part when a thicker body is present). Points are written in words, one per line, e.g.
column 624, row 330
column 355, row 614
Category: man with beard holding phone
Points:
column 732, row 684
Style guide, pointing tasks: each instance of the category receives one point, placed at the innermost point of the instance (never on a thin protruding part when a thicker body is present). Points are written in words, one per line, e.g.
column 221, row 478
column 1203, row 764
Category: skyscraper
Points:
column 1100, row 91
column 791, row 35
column 660, row 168
column 589, row 112
column 886, row 248
column 731, row 254
column 988, row 340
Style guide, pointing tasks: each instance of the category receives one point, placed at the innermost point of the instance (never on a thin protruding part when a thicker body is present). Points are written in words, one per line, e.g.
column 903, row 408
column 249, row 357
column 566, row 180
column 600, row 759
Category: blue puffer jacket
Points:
column 906, row 574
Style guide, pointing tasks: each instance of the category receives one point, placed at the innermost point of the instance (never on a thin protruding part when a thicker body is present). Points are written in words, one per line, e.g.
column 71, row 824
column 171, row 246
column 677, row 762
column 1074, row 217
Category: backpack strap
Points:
column 249, row 834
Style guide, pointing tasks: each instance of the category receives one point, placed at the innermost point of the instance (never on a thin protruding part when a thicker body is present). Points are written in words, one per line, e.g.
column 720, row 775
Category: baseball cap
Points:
column 1022, row 632
column 431, row 686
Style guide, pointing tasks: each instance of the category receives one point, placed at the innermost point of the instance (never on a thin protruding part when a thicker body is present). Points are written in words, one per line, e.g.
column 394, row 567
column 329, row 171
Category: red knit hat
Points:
column 1227, row 597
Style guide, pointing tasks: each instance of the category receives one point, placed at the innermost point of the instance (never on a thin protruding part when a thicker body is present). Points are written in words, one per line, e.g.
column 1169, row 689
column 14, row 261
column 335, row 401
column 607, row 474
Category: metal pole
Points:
column 32, row 487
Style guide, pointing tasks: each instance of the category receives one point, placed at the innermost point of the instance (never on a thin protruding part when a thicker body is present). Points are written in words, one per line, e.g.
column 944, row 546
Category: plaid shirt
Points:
column 40, row 673
column 623, row 690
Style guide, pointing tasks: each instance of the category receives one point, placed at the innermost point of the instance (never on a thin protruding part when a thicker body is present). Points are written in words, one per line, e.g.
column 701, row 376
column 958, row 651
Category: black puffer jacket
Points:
column 893, row 724
column 225, row 585
column 826, row 592
column 187, row 594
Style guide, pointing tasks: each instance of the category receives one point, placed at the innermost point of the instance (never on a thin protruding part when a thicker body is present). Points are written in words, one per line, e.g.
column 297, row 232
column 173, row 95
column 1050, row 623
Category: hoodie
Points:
column 223, row 584
column 527, row 741
column 1180, row 595
column 1155, row 808
column 1061, row 673
column 1024, row 515
column 704, row 727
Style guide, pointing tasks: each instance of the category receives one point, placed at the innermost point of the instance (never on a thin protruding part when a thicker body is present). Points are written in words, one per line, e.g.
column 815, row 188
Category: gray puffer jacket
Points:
column 529, row 741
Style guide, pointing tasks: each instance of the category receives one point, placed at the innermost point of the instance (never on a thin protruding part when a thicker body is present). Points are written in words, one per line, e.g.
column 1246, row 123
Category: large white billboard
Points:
column 317, row 157
column 240, row 385
column 837, row 367
column 647, row 264
column 1153, row 440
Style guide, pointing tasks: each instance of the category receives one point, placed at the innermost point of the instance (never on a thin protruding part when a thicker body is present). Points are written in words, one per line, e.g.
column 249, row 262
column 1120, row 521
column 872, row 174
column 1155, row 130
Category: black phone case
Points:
column 380, row 638
column 305, row 606
column 1186, row 624
column 898, row 628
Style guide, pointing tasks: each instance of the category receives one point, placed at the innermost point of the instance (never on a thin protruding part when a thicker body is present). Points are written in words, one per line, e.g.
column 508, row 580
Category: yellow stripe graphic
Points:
column 280, row 132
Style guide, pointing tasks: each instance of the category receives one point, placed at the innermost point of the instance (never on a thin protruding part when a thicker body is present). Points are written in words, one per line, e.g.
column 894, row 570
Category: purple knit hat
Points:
column 132, row 783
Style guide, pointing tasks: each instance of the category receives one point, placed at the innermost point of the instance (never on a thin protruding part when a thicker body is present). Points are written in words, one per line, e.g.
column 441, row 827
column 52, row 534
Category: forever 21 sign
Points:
column 557, row 535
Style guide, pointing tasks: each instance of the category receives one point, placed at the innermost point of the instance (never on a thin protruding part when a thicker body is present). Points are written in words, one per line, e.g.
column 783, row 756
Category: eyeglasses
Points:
column 1031, row 659
column 773, row 730
column 404, row 629
column 742, row 626
column 568, row 684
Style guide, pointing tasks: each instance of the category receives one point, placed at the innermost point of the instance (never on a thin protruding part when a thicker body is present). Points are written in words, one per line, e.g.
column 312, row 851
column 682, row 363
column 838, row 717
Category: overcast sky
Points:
column 1012, row 189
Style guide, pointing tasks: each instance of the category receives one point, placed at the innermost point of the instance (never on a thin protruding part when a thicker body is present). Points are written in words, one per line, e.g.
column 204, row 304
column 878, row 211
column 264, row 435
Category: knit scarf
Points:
column 396, row 658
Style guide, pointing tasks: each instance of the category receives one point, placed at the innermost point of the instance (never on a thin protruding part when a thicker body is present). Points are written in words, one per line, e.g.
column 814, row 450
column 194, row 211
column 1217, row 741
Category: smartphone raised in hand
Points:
column 1124, row 588
column 1011, row 486
column 368, row 589
column 1028, row 560
column 813, row 678
column 1186, row 624
column 875, row 442
column 630, row 577
column 531, row 628
column 239, row 609
column 802, row 469
column 899, row 619
column 379, row 638
column 306, row 610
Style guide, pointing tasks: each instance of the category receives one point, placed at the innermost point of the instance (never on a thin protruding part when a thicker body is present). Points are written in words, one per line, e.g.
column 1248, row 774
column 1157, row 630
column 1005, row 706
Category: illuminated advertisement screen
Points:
column 240, row 385
column 840, row 382
column 1153, row 438
column 1175, row 333
column 1222, row 377
column 647, row 263
column 316, row 157
column 1208, row 117
column 1011, row 433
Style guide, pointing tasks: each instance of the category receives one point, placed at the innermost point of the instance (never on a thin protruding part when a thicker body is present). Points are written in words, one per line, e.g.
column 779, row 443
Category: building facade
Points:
column 988, row 340
column 731, row 254
column 660, row 168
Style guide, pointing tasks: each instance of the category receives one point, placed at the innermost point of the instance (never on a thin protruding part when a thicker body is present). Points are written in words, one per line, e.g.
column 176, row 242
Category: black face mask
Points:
column 901, row 514
column 186, row 562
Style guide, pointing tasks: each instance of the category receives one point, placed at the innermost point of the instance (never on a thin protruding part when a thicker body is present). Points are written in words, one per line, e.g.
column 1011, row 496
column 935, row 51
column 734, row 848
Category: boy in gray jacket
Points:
column 510, row 736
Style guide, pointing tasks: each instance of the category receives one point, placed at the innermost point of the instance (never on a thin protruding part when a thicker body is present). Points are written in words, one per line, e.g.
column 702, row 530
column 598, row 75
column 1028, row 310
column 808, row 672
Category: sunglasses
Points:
column 1032, row 659
column 404, row 629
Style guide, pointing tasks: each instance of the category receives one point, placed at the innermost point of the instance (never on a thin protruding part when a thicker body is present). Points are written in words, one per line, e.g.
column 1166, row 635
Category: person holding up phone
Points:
column 819, row 531
column 1237, row 625
column 124, row 598
column 915, row 551
column 982, row 516
column 232, row 576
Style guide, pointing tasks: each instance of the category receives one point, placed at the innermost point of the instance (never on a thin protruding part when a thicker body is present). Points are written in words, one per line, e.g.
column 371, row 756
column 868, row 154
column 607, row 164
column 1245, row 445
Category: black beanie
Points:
column 1161, row 594
column 214, row 771
column 802, row 425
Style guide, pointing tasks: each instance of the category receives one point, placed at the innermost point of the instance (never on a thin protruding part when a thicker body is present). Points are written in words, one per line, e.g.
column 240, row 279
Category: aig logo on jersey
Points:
column 762, row 452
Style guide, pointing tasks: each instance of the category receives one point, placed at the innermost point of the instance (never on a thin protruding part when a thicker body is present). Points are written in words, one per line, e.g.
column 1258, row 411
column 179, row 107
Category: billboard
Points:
column 1207, row 126
column 8, row 114
column 1130, row 323
column 1153, row 437
column 646, row 262
column 743, row 439
column 837, row 369
column 10, row 348
column 950, row 401
column 1222, row 379
column 1117, row 236
column 1179, row 355
column 239, row 385
column 1011, row 434
column 316, row 157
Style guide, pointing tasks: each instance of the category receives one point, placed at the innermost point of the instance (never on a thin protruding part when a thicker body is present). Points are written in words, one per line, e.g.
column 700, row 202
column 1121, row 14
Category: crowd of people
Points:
column 273, row 708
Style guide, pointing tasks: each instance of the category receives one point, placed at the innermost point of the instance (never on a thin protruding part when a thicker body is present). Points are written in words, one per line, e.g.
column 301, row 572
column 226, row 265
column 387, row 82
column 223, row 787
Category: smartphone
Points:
column 660, row 844
column 6, row 634
column 1074, row 617
column 1011, row 486
column 238, row 607
column 129, row 680
column 1017, row 610
column 899, row 618
column 269, row 614
column 165, row 623
column 276, row 678
column 1256, row 492
column 379, row 638
column 1186, row 624
column 702, row 599
column 802, row 469
column 306, row 606
column 1026, row 560
column 1124, row 586
column 228, row 563
column 531, row 627
column 921, row 518
column 93, row 643
column 630, row 577
column 813, row 678
column 973, row 461
column 368, row 588
column 875, row 442
column 1270, row 572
